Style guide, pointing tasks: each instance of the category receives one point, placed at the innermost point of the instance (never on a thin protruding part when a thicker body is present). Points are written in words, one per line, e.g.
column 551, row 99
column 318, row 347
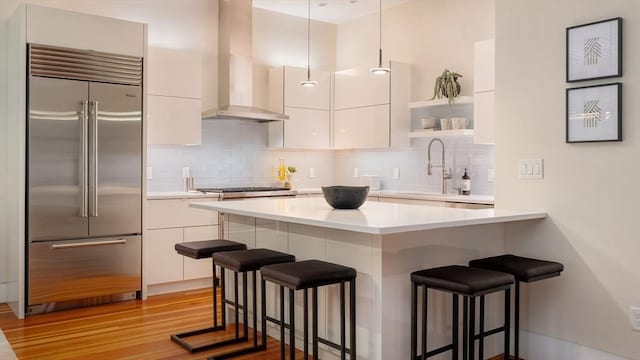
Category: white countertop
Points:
column 372, row 217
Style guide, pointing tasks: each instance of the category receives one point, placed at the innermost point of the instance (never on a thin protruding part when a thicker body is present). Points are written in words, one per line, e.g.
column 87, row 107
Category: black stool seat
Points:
column 250, row 260
column 204, row 249
column 307, row 274
column 463, row 280
column 524, row 269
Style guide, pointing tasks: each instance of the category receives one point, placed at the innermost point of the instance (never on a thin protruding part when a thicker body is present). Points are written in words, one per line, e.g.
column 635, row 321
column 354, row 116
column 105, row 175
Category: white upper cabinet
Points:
column 174, row 73
column 174, row 104
column 360, row 87
column 485, row 86
column 317, row 97
column 48, row 26
column 309, row 124
column 371, row 109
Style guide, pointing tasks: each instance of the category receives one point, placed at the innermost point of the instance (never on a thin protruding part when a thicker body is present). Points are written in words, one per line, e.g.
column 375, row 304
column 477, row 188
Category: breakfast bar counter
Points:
column 384, row 242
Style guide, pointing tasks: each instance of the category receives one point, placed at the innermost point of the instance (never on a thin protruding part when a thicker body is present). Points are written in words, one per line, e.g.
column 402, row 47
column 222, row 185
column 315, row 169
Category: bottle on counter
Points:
column 466, row 183
column 282, row 171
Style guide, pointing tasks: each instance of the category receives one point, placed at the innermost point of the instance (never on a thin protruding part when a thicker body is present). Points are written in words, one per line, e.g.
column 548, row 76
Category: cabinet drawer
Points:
column 169, row 213
column 413, row 202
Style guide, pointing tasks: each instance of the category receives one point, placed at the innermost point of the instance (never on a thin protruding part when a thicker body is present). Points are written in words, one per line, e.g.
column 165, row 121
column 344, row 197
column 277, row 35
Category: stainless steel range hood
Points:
column 235, row 66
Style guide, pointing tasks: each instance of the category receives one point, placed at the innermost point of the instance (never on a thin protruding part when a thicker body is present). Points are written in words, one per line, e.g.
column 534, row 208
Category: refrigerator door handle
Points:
column 94, row 158
column 84, row 161
column 87, row 244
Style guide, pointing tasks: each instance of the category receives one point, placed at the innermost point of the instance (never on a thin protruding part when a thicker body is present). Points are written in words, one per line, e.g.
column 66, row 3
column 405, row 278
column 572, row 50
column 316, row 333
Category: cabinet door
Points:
column 307, row 129
column 200, row 268
column 484, row 109
column 174, row 120
column 484, row 69
column 296, row 95
column 174, row 73
column 63, row 28
column 161, row 261
column 414, row 202
column 360, row 87
column 362, row 128
column 171, row 213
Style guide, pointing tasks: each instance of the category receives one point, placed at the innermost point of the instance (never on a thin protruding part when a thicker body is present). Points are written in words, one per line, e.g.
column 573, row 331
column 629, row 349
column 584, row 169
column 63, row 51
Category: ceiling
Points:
column 332, row 11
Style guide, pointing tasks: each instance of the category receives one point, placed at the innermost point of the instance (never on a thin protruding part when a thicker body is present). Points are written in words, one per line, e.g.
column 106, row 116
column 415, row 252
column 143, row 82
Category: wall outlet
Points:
column 635, row 317
column 355, row 172
column 312, row 172
column 396, row 173
column 531, row 169
column 149, row 172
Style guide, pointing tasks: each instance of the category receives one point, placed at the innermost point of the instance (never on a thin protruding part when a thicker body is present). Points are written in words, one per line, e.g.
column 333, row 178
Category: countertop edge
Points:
column 521, row 216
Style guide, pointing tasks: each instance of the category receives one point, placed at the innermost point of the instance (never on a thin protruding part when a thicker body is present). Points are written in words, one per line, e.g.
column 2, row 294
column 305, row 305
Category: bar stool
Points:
column 245, row 261
column 202, row 250
column 524, row 270
column 465, row 281
column 312, row 274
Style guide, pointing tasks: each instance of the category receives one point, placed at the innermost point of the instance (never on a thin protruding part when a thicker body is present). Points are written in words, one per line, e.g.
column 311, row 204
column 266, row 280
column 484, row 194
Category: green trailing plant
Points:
column 292, row 170
column 447, row 86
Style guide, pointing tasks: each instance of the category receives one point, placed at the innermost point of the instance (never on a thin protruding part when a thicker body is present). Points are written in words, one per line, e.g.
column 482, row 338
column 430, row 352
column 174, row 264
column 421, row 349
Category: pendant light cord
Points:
column 380, row 33
column 309, row 40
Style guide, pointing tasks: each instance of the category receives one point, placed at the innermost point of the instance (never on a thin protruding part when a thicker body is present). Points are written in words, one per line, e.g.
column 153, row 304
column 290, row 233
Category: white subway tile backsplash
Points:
column 236, row 153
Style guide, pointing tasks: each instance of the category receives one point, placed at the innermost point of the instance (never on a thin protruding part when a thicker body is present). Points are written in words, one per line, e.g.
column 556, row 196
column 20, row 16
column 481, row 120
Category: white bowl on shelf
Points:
column 428, row 123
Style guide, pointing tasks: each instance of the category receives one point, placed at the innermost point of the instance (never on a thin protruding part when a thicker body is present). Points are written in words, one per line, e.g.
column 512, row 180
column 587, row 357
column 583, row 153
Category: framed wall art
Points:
column 594, row 50
column 594, row 113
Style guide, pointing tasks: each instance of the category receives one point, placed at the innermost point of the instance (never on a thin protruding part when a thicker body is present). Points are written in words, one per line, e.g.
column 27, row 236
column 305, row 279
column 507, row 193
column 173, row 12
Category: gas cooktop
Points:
column 249, row 192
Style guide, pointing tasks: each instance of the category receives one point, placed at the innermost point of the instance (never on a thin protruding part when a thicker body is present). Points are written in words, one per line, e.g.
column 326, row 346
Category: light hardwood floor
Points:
column 128, row 330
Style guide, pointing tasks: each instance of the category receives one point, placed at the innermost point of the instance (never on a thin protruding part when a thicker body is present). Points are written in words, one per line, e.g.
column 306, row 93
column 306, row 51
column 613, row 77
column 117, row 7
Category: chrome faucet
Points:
column 445, row 173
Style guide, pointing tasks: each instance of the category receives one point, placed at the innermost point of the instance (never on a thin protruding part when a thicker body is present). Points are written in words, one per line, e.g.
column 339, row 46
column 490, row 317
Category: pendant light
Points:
column 308, row 82
column 379, row 70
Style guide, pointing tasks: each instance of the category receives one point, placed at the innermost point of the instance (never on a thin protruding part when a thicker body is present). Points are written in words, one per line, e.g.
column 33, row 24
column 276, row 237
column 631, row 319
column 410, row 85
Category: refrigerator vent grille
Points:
column 86, row 65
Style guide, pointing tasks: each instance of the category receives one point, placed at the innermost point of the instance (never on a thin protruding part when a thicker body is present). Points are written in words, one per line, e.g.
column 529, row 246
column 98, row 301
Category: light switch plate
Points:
column 355, row 172
column 531, row 169
column 149, row 172
column 312, row 172
column 396, row 173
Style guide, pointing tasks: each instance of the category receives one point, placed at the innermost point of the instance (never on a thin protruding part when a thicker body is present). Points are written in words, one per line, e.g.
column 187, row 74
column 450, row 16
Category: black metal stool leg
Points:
column 516, row 322
column 306, row 323
column 343, row 320
column 245, row 306
column 292, row 326
column 465, row 328
column 214, row 293
column 507, row 322
column 223, row 296
column 424, row 323
column 282, row 341
column 263, row 291
column 414, row 320
column 314, row 320
column 235, row 299
column 481, row 340
column 255, row 309
column 352, row 321
column 454, row 330
column 472, row 327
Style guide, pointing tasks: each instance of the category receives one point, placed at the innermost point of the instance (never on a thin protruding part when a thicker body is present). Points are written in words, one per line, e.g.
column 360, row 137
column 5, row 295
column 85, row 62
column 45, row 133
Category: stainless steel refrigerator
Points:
column 84, row 175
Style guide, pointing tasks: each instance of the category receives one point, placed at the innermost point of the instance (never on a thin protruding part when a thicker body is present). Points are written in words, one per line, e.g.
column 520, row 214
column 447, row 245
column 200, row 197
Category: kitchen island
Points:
column 384, row 242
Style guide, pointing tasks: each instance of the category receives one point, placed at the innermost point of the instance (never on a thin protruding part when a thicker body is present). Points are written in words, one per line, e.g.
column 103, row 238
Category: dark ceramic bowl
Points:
column 345, row 197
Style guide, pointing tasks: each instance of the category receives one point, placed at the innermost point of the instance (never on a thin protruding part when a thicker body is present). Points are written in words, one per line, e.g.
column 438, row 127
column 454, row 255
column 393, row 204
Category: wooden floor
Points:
column 128, row 330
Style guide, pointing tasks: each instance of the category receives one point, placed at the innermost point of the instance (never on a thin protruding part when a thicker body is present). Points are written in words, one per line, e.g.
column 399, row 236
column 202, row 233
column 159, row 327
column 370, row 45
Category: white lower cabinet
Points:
column 162, row 262
column 171, row 222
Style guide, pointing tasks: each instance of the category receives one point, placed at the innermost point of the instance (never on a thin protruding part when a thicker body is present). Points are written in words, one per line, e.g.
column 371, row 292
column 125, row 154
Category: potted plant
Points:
column 447, row 86
column 291, row 170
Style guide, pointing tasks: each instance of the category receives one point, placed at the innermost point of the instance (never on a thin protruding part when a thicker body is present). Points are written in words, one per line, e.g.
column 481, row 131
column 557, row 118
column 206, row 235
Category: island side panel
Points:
column 405, row 253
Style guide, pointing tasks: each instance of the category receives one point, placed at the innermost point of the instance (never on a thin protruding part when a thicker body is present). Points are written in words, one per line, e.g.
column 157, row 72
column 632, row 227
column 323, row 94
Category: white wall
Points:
column 430, row 34
column 589, row 190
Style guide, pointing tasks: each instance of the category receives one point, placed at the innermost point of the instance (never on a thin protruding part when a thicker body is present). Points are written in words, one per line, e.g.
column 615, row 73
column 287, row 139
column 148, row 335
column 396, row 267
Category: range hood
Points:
column 235, row 66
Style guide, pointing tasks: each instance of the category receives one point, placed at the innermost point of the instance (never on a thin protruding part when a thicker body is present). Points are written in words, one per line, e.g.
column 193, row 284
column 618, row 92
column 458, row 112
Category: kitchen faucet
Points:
column 445, row 173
